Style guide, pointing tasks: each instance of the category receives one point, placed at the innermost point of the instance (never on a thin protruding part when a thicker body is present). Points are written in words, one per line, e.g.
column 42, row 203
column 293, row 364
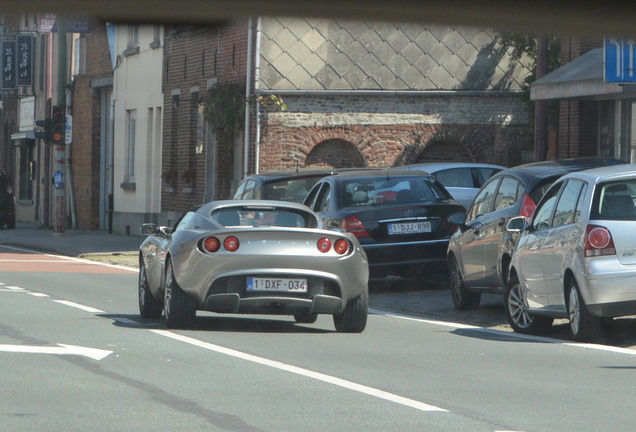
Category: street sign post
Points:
column 619, row 60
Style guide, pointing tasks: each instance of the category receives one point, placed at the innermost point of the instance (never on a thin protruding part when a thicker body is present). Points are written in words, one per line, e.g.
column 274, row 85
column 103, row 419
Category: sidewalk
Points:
column 74, row 243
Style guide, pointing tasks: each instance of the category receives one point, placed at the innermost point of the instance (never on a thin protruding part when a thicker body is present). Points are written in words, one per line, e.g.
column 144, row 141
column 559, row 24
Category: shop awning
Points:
column 580, row 78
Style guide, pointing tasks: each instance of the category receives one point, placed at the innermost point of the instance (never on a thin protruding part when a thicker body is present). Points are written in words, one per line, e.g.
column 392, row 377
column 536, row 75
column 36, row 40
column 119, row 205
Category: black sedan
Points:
column 399, row 217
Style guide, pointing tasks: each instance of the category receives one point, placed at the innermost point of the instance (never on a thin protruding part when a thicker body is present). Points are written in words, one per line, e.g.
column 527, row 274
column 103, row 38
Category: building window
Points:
column 132, row 44
column 131, row 140
column 133, row 36
column 27, row 165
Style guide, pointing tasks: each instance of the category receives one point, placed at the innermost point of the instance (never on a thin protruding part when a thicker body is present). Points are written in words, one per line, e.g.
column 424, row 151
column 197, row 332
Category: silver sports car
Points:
column 261, row 257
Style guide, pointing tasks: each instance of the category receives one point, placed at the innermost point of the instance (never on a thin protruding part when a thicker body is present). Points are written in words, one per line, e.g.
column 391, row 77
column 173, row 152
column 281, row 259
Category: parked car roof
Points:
column 546, row 169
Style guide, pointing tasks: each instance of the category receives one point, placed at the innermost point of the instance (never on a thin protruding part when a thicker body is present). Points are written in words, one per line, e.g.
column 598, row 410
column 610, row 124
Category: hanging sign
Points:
column 24, row 57
column 8, row 65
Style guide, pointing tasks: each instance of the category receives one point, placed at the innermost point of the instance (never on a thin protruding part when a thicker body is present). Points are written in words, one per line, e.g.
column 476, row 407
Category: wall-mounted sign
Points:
column 8, row 65
column 24, row 58
column 619, row 60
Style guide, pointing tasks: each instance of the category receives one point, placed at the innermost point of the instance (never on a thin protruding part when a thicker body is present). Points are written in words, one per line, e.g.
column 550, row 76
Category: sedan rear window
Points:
column 385, row 190
column 295, row 189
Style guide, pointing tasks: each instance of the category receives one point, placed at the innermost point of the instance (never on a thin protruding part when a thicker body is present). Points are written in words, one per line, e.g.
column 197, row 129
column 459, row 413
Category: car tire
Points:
column 179, row 309
column 516, row 309
column 354, row 317
column 149, row 307
column 305, row 318
column 584, row 327
column 462, row 298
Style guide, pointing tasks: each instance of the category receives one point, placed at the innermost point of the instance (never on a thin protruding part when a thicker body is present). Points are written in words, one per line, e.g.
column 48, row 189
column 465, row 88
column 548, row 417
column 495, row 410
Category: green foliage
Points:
column 225, row 108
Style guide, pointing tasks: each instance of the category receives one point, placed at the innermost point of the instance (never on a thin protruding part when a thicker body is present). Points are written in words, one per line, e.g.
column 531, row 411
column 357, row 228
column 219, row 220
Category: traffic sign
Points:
column 619, row 58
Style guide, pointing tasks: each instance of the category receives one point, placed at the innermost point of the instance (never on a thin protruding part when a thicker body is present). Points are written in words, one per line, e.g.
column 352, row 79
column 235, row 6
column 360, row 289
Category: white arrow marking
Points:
column 61, row 349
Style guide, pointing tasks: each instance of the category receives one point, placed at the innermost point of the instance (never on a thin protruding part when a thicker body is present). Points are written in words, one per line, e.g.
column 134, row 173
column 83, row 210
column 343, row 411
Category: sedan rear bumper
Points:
column 407, row 259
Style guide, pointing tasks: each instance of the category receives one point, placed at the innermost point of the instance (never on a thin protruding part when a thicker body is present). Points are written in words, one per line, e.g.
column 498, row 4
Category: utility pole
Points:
column 59, row 150
column 540, row 106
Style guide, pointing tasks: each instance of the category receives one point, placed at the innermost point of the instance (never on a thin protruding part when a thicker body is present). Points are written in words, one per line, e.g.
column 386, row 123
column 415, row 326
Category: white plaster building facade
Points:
column 137, row 129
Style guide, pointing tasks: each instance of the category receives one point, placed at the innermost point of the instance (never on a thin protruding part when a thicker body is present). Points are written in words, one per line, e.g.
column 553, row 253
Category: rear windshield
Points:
column 295, row 189
column 615, row 201
column 264, row 217
column 386, row 190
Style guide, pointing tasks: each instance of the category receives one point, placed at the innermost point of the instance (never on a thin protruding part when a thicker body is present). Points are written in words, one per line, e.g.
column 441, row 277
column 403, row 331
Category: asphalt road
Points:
column 75, row 356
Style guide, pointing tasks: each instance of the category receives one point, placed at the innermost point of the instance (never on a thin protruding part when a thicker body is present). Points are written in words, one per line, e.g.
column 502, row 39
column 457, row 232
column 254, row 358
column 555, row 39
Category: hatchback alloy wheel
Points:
column 584, row 327
column 516, row 306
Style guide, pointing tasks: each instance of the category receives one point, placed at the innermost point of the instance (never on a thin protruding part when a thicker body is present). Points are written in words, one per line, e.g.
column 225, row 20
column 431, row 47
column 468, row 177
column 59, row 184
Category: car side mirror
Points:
column 149, row 229
column 517, row 224
column 457, row 219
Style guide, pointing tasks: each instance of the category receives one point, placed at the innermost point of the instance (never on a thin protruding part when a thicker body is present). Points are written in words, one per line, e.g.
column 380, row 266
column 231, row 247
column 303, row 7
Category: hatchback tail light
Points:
column 598, row 241
column 527, row 206
column 353, row 225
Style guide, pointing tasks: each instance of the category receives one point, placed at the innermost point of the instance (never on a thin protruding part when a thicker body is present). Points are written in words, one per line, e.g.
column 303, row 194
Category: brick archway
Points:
column 444, row 151
column 336, row 153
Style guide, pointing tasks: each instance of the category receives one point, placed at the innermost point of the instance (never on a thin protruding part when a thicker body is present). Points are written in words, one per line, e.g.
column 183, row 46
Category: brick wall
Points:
column 86, row 112
column 193, row 57
column 394, row 130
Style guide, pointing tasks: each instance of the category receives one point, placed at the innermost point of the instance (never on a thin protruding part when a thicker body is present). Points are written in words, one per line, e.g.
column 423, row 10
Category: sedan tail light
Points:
column 353, row 225
column 527, row 206
column 598, row 241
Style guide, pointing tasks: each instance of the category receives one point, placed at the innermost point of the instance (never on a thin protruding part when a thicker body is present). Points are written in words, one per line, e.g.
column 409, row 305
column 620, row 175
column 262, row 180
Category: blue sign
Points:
column 619, row 58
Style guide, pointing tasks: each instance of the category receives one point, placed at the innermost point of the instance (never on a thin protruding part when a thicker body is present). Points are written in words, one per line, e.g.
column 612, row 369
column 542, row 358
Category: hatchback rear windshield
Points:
column 387, row 190
column 615, row 201
column 260, row 216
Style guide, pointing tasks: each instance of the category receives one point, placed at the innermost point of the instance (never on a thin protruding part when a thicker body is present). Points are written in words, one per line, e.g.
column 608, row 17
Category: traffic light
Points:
column 58, row 125
column 45, row 133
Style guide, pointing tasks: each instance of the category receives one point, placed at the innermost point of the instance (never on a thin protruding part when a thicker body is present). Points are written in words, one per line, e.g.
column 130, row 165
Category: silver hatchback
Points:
column 576, row 257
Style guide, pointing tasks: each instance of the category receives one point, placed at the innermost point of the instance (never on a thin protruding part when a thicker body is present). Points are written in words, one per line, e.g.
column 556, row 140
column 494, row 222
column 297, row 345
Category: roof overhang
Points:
column 580, row 78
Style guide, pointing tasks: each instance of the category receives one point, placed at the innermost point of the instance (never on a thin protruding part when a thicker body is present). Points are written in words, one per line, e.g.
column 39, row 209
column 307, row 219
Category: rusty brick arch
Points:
column 336, row 153
column 457, row 143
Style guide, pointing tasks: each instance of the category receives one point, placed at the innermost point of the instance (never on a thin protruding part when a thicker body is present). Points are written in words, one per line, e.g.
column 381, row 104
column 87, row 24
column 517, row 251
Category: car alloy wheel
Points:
column 462, row 298
column 516, row 306
column 149, row 307
column 584, row 327
column 179, row 308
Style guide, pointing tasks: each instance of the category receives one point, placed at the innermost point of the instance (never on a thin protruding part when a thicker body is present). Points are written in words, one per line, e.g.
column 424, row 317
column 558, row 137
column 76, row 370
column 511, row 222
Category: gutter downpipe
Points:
column 257, row 65
column 248, row 94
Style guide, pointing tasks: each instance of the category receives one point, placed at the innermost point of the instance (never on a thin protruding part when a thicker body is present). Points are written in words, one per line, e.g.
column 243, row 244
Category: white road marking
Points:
column 304, row 372
column 61, row 349
column 591, row 346
column 37, row 294
column 79, row 306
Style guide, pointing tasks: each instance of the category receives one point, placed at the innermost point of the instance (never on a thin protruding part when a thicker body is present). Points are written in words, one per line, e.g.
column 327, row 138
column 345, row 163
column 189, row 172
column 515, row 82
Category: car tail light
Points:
column 598, row 241
column 353, row 225
column 211, row 244
column 341, row 246
column 324, row 245
column 231, row 244
column 527, row 206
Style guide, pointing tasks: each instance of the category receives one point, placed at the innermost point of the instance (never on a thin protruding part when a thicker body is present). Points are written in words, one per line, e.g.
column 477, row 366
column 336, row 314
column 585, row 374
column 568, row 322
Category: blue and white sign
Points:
column 619, row 58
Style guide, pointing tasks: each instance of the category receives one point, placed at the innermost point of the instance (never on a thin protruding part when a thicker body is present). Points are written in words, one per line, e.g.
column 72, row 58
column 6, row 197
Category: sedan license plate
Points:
column 276, row 284
column 409, row 227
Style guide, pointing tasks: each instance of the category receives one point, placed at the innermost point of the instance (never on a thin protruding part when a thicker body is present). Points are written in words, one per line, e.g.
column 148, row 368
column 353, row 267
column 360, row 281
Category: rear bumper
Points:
column 609, row 290
column 407, row 259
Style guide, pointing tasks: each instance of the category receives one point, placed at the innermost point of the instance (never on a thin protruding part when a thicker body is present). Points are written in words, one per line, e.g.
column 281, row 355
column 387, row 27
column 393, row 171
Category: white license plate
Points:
column 276, row 284
column 409, row 227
